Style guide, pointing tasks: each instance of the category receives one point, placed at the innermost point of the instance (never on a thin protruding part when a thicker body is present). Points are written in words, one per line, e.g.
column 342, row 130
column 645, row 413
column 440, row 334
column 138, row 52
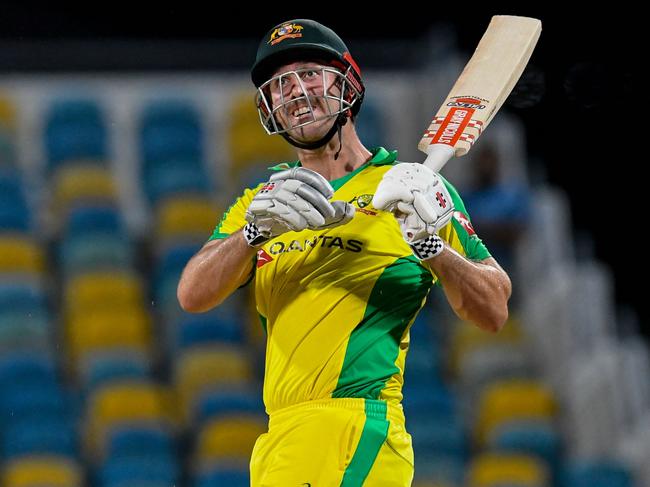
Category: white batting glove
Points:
column 421, row 203
column 293, row 200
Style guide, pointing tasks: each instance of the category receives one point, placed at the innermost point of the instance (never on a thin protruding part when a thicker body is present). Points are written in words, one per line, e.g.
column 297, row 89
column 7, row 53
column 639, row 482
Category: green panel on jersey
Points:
column 373, row 346
column 373, row 436
column 474, row 247
column 263, row 320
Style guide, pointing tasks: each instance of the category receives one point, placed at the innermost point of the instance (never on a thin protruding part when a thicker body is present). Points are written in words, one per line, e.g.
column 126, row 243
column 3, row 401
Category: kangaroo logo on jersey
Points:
column 263, row 258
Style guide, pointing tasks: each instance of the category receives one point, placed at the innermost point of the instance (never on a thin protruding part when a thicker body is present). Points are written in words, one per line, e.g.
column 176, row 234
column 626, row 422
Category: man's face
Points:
column 297, row 94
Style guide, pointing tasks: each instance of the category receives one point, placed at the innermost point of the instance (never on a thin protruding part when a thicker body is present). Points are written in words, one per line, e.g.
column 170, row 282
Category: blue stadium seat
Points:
column 14, row 216
column 604, row 473
column 69, row 110
column 136, row 440
column 175, row 180
column 208, row 328
column 229, row 477
column 26, row 369
column 88, row 219
column 39, row 434
column 139, row 470
column 170, row 164
column 438, row 435
column 21, row 297
column 75, row 129
column 96, row 251
column 169, row 112
column 75, row 141
column 427, row 397
column 161, row 142
column 538, row 438
column 114, row 368
column 224, row 402
column 174, row 260
column 34, row 398
column 14, row 213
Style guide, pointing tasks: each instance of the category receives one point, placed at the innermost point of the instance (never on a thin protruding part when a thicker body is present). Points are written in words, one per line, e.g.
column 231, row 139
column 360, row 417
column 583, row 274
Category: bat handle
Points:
column 438, row 155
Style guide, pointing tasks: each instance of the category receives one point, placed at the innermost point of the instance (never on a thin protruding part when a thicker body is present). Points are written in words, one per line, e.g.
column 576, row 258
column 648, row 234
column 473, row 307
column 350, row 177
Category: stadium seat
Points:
column 220, row 403
column 25, row 331
column 186, row 217
column 206, row 329
column 173, row 181
column 139, row 470
column 597, row 473
column 19, row 254
column 83, row 184
column 104, row 367
column 103, row 290
column 230, row 437
column 74, row 129
column 22, row 297
column 127, row 329
column 26, row 369
column 95, row 252
column 497, row 469
column 42, row 470
column 247, row 143
column 209, row 368
column 467, row 337
column 128, row 402
column 536, row 438
column 510, row 400
column 224, row 476
column 88, row 219
column 134, row 440
column 34, row 397
column 39, row 434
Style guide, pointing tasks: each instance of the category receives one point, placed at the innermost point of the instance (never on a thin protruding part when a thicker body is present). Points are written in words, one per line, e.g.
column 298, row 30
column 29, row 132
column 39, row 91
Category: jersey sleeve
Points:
column 235, row 217
column 459, row 233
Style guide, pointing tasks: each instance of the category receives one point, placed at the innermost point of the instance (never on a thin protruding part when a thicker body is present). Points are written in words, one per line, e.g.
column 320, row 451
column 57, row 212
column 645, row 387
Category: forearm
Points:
column 214, row 273
column 477, row 292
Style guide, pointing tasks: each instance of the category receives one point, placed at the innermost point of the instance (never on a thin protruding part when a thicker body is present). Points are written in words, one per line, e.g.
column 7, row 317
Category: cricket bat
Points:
column 483, row 86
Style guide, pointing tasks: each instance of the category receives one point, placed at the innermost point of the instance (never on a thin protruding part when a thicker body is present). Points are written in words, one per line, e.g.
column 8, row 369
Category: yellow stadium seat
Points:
column 207, row 368
column 7, row 113
column 248, row 143
column 493, row 469
column 83, row 181
column 126, row 402
column 19, row 254
column 513, row 400
column 102, row 330
column 467, row 337
column 42, row 471
column 231, row 437
column 103, row 290
column 186, row 216
column 430, row 483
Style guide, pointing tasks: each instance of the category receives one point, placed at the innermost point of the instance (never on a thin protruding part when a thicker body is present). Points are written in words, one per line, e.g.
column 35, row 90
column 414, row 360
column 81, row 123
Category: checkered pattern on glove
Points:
column 427, row 247
column 253, row 236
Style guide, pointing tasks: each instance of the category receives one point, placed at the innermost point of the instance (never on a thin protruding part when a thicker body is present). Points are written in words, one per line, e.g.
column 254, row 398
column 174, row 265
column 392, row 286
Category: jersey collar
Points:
column 380, row 157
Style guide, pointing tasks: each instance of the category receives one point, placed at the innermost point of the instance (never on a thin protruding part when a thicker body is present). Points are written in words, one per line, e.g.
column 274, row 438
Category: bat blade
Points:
column 482, row 87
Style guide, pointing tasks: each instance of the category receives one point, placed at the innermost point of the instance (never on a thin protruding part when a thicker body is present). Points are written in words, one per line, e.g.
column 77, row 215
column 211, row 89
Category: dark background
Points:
column 582, row 101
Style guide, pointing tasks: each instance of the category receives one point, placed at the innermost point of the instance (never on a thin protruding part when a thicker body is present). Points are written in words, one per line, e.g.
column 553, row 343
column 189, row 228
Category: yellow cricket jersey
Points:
column 337, row 304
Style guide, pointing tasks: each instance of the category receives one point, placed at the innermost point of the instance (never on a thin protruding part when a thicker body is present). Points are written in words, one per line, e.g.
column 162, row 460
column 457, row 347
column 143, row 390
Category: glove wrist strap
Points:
column 428, row 247
column 253, row 235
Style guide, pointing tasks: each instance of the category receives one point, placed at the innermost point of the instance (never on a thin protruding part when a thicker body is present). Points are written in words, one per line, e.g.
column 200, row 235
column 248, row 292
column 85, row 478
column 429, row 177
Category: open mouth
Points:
column 301, row 112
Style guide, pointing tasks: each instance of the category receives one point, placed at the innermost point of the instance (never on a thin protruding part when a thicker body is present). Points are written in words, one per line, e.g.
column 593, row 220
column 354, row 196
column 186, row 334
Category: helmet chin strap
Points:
column 341, row 120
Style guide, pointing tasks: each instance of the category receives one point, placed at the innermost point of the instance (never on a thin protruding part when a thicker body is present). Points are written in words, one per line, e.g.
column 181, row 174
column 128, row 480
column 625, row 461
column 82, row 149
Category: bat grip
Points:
column 438, row 155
